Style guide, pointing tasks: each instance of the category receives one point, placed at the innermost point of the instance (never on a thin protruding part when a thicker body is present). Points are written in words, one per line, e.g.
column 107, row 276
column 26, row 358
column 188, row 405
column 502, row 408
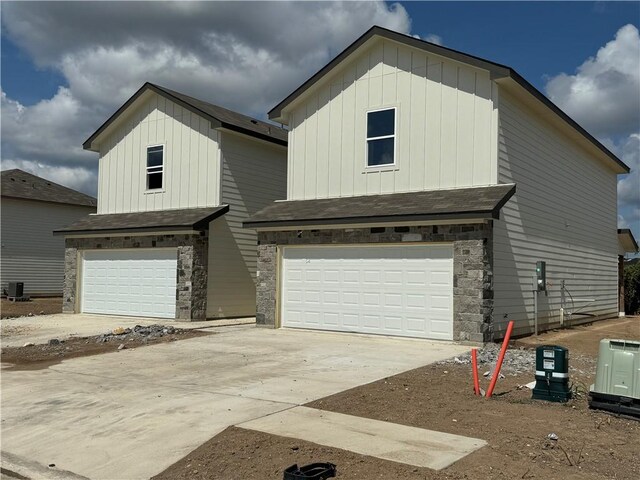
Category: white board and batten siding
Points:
column 254, row 174
column 446, row 119
column 191, row 160
column 564, row 212
column 30, row 253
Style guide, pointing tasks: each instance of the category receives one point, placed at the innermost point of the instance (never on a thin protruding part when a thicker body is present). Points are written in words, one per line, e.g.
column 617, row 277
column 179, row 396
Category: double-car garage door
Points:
column 129, row 282
column 402, row 290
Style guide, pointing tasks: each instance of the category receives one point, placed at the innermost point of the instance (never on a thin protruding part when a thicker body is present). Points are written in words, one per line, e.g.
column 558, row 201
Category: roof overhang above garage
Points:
column 626, row 241
column 429, row 207
column 192, row 219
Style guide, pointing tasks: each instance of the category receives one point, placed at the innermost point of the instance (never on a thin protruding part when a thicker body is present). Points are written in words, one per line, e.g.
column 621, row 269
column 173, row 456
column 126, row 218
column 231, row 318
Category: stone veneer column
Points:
column 70, row 280
column 191, row 291
column 266, row 285
column 472, row 263
column 191, row 275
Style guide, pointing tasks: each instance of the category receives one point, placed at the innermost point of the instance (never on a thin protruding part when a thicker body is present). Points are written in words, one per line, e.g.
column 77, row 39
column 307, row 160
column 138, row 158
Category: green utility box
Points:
column 617, row 386
column 552, row 374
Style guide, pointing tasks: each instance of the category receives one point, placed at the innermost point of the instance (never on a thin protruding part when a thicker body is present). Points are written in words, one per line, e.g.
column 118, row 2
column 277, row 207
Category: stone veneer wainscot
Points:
column 472, row 268
column 191, row 275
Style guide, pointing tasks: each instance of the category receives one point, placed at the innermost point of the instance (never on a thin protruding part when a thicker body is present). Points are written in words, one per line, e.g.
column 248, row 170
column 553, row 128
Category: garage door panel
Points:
column 392, row 290
column 136, row 283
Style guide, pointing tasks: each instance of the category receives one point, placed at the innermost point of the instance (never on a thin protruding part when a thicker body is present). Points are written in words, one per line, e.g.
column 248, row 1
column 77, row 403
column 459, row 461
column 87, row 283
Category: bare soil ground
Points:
column 37, row 357
column 35, row 306
column 591, row 445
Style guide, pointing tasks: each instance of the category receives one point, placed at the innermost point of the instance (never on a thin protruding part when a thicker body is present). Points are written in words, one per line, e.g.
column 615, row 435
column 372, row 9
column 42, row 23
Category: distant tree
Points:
column 632, row 288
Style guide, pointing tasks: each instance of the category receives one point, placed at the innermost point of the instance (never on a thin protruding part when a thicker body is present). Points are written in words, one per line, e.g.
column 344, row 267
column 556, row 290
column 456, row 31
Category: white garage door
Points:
column 393, row 290
column 139, row 283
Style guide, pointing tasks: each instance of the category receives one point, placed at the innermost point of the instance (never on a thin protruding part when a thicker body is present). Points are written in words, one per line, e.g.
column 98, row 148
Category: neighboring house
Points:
column 30, row 209
column 177, row 176
column 423, row 186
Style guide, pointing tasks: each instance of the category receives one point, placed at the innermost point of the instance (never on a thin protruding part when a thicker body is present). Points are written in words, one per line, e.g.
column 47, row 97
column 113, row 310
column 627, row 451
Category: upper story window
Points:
column 381, row 137
column 155, row 167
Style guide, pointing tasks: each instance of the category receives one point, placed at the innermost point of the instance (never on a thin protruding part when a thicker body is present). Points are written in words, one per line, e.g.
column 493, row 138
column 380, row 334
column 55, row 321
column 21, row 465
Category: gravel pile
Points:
column 516, row 360
column 140, row 332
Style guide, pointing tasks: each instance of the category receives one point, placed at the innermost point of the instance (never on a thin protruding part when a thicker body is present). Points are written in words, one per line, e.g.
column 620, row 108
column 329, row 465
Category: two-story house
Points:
column 424, row 185
column 177, row 176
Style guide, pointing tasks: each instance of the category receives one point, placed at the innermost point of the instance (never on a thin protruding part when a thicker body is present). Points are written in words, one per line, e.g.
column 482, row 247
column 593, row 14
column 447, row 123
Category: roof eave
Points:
column 200, row 225
column 88, row 144
column 478, row 215
column 622, row 167
column 496, row 70
column 72, row 204
column 628, row 234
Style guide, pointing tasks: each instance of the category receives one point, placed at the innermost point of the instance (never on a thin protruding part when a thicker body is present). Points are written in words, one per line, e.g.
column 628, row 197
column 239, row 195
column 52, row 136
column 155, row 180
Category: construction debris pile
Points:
column 516, row 360
column 139, row 332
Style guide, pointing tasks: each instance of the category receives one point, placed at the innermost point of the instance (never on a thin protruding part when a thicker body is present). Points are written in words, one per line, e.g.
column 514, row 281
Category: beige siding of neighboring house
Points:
column 30, row 253
column 563, row 212
column 254, row 174
column 446, row 121
column 191, row 161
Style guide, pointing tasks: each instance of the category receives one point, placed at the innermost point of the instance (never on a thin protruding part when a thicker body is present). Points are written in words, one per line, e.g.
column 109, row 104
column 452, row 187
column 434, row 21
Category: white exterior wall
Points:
column 30, row 253
column 564, row 212
column 445, row 125
column 254, row 175
column 191, row 160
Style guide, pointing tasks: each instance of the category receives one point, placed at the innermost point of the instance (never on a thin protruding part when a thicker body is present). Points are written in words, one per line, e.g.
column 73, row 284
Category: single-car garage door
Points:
column 139, row 283
column 390, row 290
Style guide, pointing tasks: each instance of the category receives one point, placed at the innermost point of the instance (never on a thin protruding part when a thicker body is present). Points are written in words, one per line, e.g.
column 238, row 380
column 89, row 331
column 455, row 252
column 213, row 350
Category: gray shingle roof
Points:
column 219, row 116
column 231, row 118
column 20, row 184
column 459, row 203
column 161, row 220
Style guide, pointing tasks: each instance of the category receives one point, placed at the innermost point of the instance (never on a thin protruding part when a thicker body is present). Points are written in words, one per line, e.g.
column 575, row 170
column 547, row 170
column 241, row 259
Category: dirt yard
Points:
column 37, row 357
column 35, row 306
column 591, row 444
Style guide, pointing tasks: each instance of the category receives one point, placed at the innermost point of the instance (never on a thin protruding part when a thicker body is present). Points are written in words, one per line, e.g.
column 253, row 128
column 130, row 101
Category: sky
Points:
column 66, row 67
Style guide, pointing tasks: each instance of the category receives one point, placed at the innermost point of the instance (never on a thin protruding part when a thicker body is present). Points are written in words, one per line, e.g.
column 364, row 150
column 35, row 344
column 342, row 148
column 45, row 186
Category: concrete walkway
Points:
column 389, row 441
column 15, row 332
column 131, row 414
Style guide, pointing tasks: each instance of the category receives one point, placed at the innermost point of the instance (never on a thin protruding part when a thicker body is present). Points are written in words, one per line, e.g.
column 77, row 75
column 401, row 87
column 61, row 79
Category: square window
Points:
column 155, row 167
column 381, row 126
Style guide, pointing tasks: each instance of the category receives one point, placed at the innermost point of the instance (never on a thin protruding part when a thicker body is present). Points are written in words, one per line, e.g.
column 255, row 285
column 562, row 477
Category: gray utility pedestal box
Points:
column 552, row 374
column 617, row 386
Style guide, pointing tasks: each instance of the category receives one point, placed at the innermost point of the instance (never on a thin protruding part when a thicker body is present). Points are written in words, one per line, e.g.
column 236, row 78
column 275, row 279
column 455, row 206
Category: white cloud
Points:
column 433, row 38
column 245, row 56
column 604, row 97
column 629, row 185
column 604, row 94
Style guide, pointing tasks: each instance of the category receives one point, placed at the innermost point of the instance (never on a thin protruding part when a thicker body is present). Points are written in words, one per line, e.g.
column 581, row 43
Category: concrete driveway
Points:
column 131, row 414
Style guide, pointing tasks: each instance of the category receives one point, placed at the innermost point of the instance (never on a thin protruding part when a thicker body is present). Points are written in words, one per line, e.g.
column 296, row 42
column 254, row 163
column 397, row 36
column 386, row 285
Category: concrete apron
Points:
column 389, row 441
column 133, row 413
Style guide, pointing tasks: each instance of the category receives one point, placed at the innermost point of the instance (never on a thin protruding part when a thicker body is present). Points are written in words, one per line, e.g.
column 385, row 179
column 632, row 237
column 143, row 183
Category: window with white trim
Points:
column 155, row 167
column 381, row 137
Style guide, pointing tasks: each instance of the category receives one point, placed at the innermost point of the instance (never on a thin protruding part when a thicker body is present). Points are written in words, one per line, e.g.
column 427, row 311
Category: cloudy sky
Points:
column 67, row 66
